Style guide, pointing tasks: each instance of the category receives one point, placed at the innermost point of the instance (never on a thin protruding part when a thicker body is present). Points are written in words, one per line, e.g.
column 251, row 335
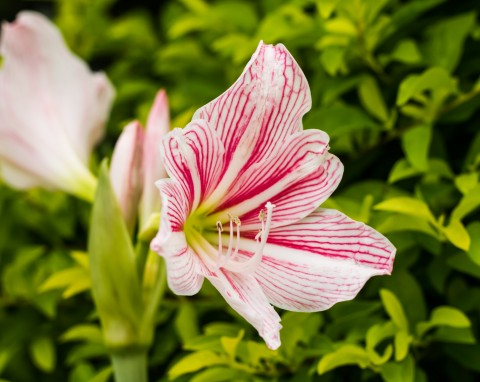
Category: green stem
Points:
column 130, row 367
column 154, row 285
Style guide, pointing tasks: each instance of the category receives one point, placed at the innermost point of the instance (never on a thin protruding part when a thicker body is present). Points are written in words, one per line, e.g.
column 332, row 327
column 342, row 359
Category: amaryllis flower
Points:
column 52, row 108
column 241, row 207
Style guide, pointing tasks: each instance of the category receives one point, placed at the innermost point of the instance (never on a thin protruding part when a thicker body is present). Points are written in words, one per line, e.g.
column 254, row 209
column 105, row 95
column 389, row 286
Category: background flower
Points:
column 52, row 109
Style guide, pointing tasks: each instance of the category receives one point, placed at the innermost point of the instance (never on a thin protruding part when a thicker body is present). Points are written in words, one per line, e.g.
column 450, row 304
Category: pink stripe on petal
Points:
column 261, row 109
column 331, row 234
column 244, row 294
column 184, row 269
column 302, row 198
column 175, row 207
column 295, row 160
column 319, row 261
column 194, row 157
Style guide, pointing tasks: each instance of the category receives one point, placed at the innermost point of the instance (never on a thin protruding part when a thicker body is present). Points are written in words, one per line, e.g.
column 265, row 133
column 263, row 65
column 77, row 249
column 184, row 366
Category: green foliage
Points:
column 396, row 84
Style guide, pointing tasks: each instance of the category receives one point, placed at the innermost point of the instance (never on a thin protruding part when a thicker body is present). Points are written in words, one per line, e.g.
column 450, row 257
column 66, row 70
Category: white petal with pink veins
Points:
column 319, row 261
column 244, row 294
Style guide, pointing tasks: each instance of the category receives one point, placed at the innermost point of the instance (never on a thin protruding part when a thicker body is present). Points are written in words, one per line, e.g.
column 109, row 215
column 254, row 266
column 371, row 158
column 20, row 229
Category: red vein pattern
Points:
column 265, row 105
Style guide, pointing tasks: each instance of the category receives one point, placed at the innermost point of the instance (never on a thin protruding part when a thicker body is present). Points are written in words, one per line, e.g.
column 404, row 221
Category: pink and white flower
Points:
column 52, row 109
column 241, row 207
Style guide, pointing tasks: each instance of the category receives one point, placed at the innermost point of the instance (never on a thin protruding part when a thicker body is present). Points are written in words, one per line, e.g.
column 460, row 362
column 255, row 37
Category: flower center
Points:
column 230, row 260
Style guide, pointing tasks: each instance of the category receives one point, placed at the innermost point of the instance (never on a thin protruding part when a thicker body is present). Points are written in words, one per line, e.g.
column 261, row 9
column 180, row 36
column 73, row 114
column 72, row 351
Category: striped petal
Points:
column 292, row 162
column 319, row 261
column 184, row 269
column 261, row 109
column 244, row 294
column 302, row 198
column 194, row 156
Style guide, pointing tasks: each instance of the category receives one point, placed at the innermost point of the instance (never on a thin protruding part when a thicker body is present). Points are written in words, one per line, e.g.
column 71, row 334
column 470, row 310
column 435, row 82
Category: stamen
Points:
column 220, row 230
column 254, row 261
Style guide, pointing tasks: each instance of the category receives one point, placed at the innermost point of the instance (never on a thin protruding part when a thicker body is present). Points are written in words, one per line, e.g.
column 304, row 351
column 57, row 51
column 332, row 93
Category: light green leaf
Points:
column 407, row 206
column 457, row 234
column 434, row 79
column 407, row 52
column 416, row 143
column 394, row 309
column 444, row 316
column 375, row 335
column 466, row 182
column 86, row 332
column 399, row 223
column 469, row 203
column 402, row 342
column 399, row 371
column 220, row 374
column 473, row 230
column 196, row 361
column 372, row 99
column 342, row 26
column 345, row 355
column 230, row 344
column 42, row 351
column 64, row 278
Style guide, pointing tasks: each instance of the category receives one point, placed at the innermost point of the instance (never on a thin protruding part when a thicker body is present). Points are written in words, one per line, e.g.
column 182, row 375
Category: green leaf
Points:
column 372, row 99
column 402, row 342
column 375, row 335
column 338, row 120
column 473, row 230
column 466, row 182
column 444, row 316
column 230, row 344
column 399, row 371
column 186, row 322
column 85, row 332
column 416, row 143
column 345, row 355
column 469, row 203
column 115, row 283
column 394, row 309
column 407, row 206
column 196, row 361
column 220, row 374
column 444, row 40
column 333, row 60
column 457, row 234
column 434, row 79
column 407, row 52
column 42, row 351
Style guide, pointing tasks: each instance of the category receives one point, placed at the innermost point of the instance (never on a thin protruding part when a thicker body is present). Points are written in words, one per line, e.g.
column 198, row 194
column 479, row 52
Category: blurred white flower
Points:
column 52, row 109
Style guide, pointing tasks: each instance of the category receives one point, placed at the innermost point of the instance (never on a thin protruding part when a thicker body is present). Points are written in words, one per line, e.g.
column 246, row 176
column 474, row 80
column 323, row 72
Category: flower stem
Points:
column 131, row 366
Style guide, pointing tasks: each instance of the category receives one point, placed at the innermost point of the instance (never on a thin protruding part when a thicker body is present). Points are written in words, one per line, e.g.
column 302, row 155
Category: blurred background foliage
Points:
column 396, row 84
